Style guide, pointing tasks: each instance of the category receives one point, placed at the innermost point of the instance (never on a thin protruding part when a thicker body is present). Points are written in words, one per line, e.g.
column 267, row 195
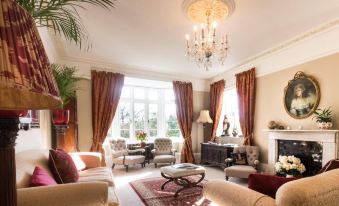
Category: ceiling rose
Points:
column 196, row 10
column 205, row 47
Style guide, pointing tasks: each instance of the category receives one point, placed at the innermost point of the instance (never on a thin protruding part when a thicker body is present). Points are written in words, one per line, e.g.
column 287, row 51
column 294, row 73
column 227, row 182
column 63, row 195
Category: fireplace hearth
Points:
column 310, row 153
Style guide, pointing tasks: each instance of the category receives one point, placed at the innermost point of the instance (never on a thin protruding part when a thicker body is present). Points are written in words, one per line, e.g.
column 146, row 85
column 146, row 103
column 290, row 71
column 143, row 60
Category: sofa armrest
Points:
column 75, row 194
column 228, row 193
column 91, row 159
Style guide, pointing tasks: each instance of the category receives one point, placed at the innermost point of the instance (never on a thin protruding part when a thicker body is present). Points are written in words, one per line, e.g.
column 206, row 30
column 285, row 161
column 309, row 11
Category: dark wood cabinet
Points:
column 215, row 154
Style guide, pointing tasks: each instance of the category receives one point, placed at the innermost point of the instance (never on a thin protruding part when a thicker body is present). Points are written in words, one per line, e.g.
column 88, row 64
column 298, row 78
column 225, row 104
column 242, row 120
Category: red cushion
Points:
column 62, row 167
column 41, row 178
column 267, row 184
column 331, row 165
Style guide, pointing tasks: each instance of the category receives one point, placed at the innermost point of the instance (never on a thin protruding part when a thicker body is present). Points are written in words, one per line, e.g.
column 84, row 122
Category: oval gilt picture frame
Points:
column 302, row 96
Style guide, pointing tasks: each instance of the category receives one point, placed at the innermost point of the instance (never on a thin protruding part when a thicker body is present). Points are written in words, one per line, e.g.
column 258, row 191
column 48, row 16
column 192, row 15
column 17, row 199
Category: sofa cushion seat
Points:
column 164, row 159
column 102, row 174
column 241, row 171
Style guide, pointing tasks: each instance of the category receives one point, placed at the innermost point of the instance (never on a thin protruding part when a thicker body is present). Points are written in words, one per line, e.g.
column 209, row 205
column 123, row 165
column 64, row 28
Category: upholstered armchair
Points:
column 123, row 156
column 163, row 151
column 242, row 171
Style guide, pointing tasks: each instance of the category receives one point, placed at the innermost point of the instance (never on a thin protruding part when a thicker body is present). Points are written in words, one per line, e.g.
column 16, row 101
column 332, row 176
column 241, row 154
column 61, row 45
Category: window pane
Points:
column 230, row 109
column 124, row 133
column 169, row 94
column 139, row 93
column 139, row 116
column 172, row 129
column 153, row 133
column 153, row 94
column 152, row 116
column 172, row 133
column 126, row 92
column 125, row 115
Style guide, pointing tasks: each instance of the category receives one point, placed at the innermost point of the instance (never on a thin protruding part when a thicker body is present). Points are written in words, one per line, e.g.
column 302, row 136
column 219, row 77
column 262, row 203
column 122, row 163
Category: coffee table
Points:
column 178, row 174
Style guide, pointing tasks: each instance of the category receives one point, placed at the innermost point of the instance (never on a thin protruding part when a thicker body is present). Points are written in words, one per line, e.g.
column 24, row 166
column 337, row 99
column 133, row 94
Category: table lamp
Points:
column 204, row 117
column 26, row 82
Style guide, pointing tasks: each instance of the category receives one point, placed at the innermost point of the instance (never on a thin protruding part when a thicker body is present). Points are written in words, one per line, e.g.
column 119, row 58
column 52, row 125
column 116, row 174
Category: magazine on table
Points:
column 184, row 166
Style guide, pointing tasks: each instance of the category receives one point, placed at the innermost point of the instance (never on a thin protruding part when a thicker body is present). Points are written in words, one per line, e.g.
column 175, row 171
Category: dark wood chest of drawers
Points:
column 214, row 154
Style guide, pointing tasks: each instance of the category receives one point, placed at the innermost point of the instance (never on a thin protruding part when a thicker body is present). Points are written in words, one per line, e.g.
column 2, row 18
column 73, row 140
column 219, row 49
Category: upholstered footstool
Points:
column 178, row 174
column 130, row 160
column 164, row 159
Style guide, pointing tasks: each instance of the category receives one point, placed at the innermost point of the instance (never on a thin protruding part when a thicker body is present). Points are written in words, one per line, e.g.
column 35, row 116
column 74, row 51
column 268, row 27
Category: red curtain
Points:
column 216, row 98
column 246, row 90
column 184, row 103
column 106, row 91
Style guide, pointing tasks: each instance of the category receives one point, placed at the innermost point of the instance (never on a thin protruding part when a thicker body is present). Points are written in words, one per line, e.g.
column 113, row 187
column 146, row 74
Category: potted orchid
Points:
column 142, row 137
column 289, row 166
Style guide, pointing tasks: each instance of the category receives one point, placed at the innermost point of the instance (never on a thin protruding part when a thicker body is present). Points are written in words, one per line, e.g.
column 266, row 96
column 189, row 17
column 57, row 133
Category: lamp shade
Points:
column 26, row 78
column 204, row 117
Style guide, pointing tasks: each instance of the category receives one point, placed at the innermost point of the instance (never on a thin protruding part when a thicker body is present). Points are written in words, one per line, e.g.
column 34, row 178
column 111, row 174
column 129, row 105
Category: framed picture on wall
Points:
column 302, row 96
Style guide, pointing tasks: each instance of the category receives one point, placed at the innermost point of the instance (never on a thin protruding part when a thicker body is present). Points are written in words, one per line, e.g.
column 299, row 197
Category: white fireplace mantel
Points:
column 328, row 138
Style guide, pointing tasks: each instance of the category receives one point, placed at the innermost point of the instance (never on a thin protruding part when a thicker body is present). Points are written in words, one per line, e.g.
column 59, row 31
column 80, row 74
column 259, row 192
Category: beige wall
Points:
column 200, row 101
column 270, row 93
column 36, row 138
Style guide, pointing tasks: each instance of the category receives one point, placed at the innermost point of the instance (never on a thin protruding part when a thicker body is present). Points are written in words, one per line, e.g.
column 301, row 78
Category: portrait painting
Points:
column 302, row 96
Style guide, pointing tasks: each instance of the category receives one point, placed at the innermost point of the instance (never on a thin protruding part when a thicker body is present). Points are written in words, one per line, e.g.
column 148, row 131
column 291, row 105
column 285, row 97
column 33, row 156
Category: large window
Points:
column 230, row 109
column 145, row 108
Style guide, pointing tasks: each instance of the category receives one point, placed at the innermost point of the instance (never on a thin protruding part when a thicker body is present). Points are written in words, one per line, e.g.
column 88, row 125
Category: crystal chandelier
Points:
column 204, row 47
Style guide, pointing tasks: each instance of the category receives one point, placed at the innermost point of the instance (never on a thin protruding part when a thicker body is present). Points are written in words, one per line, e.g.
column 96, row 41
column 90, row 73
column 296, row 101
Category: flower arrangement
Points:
column 289, row 165
column 141, row 136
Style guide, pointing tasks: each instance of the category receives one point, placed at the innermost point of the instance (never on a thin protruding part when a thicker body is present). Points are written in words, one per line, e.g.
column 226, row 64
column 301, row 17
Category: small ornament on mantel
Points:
column 324, row 118
column 275, row 125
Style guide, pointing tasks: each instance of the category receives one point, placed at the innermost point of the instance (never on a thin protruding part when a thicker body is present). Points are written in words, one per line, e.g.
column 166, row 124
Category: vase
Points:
column 60, row 116
column 325, row 125
column 142, row 144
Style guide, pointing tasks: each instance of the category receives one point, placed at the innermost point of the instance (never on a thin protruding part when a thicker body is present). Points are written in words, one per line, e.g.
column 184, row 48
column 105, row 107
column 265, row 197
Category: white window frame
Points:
column 161, row 118
column 230, row 118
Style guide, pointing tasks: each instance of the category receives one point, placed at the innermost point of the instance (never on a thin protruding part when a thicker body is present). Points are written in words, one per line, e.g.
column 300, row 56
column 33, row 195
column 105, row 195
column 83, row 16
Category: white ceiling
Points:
column 150, row 34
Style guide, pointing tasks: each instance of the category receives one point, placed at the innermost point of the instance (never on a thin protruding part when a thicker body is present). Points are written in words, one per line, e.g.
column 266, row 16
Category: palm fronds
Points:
column 62, row 15
column 323, row 115
column 66, row 81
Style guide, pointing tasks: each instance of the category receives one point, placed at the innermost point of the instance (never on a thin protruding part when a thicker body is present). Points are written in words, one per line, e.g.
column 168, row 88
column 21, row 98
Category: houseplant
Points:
column 62, row 16
column 323, row 118
column 66, row 81
column 289, row 166
column 142, row 137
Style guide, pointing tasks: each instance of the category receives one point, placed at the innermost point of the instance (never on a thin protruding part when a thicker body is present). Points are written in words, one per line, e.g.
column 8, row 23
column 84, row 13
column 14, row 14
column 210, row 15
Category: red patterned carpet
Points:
column 149, row 191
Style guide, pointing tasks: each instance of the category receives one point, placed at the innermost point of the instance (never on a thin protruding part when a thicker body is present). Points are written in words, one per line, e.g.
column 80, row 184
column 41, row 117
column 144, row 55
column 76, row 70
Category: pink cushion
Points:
column 62, row 167
column 41, row 178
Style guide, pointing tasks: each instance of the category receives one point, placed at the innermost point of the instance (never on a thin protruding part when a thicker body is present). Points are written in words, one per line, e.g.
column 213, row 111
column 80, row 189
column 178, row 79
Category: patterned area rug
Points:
column 149, row 191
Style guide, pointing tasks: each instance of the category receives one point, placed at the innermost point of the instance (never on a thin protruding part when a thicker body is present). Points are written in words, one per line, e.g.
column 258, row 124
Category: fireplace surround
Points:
column 322, row 145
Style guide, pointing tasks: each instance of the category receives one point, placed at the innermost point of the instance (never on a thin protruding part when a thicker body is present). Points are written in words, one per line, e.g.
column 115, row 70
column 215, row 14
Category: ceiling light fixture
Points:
column 205, row 47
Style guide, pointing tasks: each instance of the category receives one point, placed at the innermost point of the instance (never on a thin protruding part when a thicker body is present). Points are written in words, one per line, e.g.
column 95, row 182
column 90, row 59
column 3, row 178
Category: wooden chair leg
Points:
column 155, row 164
column 226, row 178
column 113, row 166
column 126, row 166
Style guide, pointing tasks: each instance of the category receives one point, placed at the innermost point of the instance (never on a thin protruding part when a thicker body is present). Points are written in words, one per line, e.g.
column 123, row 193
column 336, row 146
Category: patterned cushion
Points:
column 41, row 178
column 163, row 146
column 118, row 145
column 62, row 167
column 239, row 158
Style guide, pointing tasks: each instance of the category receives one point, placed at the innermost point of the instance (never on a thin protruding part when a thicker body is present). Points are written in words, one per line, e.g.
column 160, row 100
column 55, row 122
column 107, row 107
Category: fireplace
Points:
column 314, row 147
column 309, row 152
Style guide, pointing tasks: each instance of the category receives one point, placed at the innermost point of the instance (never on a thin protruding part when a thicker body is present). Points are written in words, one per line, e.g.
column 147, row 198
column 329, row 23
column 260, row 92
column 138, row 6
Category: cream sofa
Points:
column 94, row 188
column 319, row 190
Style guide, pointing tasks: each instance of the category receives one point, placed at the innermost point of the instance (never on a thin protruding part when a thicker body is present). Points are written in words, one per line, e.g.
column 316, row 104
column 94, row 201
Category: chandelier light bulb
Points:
column 187, row 37
column 214, row 24
column 195, row 28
